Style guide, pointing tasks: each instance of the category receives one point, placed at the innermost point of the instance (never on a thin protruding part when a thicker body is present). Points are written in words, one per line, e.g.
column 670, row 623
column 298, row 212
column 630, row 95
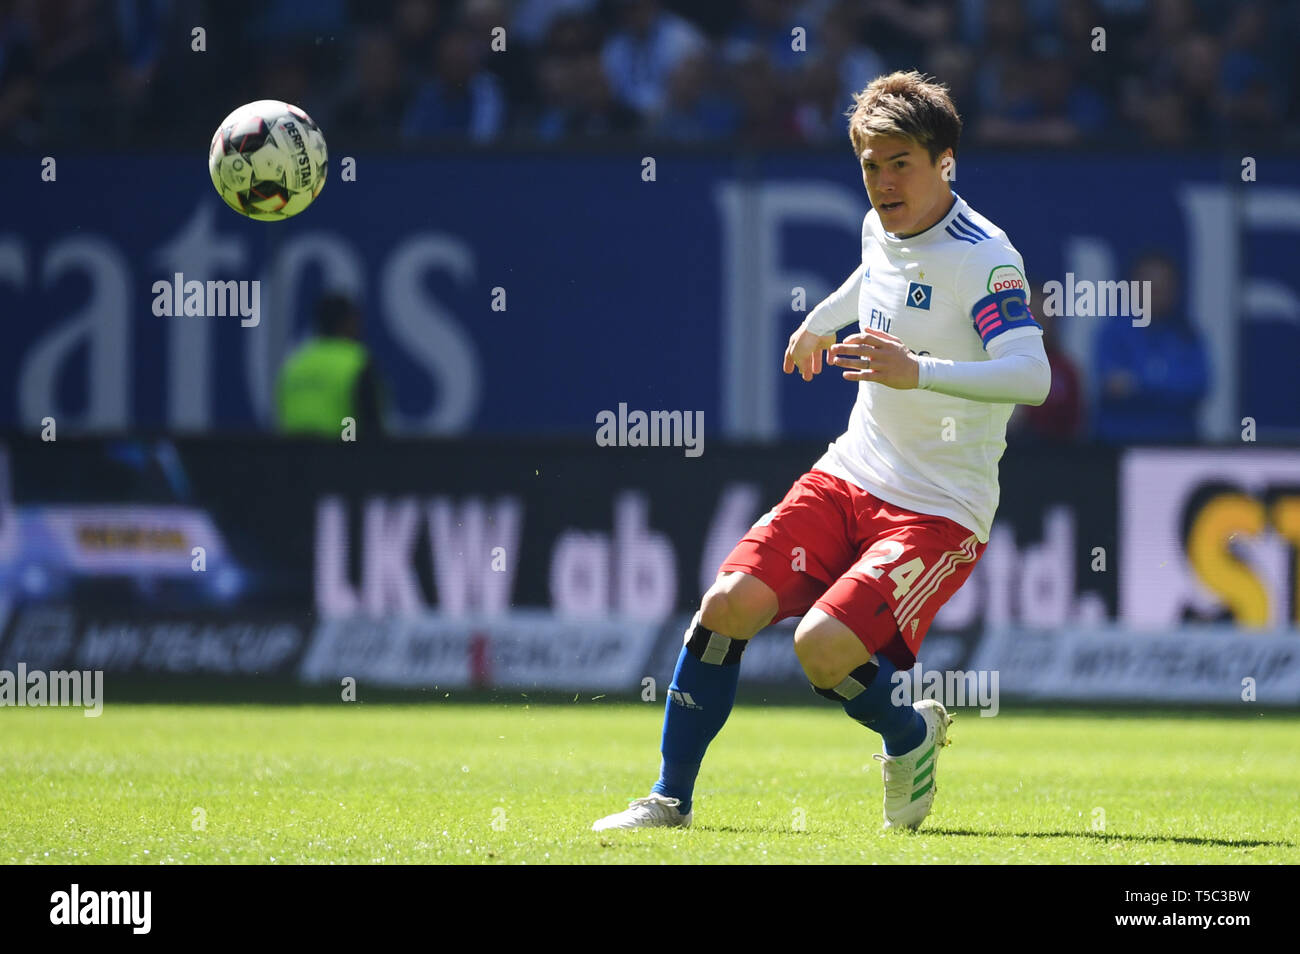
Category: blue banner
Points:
column 527, row 293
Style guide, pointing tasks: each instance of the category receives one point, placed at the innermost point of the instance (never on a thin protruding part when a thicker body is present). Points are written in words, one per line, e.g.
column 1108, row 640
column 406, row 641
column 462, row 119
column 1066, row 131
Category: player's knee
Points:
column 820, row 643
column 738, row 606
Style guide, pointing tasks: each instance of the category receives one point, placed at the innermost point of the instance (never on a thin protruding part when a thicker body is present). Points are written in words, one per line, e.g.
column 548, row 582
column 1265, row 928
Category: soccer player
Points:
column 890, row 521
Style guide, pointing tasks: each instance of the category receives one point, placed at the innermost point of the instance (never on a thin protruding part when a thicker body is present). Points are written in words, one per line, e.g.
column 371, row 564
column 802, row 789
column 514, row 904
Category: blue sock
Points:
column 900, row 726
column 699, row 700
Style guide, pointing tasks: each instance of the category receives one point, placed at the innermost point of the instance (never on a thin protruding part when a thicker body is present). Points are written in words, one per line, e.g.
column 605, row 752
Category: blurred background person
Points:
column 329, row 377
column 376, row 98
column 577, row 99
column 698, row 107
column 459, row 98
column 643, row 51
column 1152, row 378
column 19, row 86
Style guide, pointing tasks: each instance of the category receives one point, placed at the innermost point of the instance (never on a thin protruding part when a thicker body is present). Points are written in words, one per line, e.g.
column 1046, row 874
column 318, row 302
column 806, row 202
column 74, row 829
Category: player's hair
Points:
column 907, row 104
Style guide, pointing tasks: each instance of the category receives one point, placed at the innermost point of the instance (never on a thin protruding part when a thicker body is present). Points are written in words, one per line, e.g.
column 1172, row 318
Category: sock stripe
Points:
column 715, row 651
column 713, row 648
column 850, row 688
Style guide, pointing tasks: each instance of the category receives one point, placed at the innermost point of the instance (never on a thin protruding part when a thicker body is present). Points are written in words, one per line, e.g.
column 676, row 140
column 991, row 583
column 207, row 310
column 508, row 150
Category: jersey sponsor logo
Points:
column 1004, row 277
column 918, row 295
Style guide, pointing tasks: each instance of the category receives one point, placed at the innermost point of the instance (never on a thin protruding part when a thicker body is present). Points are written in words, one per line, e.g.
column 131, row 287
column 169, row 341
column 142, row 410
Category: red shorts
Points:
column 835, row 546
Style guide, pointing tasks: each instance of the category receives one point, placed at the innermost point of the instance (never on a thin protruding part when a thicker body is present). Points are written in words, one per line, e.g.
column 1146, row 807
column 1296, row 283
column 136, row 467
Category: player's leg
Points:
column 703, row 689
column 758, row 583
column 840, row 667
column 885, row 602
column 701, row 695
column 862, row 682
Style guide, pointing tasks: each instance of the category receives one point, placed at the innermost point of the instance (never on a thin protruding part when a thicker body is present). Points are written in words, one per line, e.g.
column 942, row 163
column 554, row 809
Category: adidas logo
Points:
column 683, row 699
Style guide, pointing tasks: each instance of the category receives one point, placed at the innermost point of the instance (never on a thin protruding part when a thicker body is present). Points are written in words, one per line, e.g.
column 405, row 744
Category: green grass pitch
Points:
column 522, row 783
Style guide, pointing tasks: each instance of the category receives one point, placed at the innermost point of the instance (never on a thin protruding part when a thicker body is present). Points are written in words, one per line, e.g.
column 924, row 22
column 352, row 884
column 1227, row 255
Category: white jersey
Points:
column 955, row 291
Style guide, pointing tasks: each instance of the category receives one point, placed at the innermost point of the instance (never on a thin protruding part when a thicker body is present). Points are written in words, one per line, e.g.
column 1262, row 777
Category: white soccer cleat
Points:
column 910, row 778
column 653, row 811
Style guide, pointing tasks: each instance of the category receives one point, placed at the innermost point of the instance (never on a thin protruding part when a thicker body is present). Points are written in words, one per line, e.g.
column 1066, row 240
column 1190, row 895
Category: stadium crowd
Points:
column 119, row 73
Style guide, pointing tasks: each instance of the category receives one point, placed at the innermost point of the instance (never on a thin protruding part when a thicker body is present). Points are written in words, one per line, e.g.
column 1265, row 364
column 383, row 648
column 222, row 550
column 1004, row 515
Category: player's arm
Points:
column 990, row 286
column 817, row 333
column 1016, row 373
column 991, row 281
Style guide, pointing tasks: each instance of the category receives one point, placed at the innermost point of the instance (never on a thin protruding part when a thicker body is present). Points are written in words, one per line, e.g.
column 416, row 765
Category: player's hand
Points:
column 879, row 357
column 805, row 352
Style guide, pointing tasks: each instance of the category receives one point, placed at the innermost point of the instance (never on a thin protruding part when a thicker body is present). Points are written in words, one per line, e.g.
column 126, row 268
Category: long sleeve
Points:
column 1017, row 373
column 838, row 309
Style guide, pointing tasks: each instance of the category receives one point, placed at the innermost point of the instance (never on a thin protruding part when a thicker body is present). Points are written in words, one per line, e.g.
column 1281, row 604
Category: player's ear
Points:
column 946, row 163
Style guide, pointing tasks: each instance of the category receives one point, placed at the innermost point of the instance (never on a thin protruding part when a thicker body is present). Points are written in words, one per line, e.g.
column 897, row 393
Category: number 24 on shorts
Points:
column 881, row 554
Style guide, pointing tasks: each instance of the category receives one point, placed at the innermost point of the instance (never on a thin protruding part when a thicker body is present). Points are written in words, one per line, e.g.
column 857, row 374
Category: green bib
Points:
column 317, row 386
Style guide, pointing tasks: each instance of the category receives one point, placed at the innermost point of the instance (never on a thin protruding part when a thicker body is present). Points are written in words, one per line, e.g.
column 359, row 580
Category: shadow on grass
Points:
column 968, row 833
column 1108, row 836
column 280, row 691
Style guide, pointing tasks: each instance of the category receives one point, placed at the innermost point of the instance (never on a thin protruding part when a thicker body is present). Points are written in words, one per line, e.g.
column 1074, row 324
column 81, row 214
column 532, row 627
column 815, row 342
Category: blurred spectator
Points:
column 698, row 107
column 1048, row 108
column 955, row 68
column 74, row 57
column 376, row 100
column 329, row 377
column 511, row 60
column 1251, row 83
column 1151, row 379
column 642, row 54
column 1000, row 77
column 841, row 46
column 1022, row 72
column 279, row 20
column 580, row 102
column 19, row 88
column 1198, row 72
column 460, row 98
column 765, row 111
column 532, row 19
column 819, row 110
column 140, row 28
column 1095, row 68
column 903, row 29
column 415, row 25
column 288, row 74
column 767, row 27
column 577, row 99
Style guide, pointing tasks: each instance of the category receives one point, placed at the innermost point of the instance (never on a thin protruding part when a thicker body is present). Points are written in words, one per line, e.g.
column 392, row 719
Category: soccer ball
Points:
column 268, row 160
